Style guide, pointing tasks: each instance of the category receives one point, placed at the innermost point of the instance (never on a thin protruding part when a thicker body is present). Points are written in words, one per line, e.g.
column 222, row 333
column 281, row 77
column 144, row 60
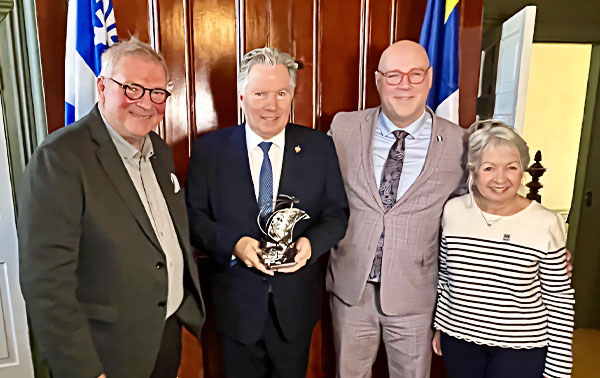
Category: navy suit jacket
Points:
column 222, row 208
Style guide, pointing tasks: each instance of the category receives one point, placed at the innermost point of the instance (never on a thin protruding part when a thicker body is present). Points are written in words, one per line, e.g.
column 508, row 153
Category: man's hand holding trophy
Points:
column 276, row 251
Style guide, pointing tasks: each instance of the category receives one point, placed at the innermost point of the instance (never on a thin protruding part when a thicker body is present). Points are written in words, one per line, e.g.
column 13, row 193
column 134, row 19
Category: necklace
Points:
column 490, row 222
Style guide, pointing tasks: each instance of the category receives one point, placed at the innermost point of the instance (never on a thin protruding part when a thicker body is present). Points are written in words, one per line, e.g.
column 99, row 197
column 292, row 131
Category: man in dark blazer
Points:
column 265, row 317
column 106, row 267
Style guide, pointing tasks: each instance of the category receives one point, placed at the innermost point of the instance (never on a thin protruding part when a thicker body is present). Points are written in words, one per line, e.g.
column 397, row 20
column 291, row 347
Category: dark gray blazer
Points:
column 92, row 270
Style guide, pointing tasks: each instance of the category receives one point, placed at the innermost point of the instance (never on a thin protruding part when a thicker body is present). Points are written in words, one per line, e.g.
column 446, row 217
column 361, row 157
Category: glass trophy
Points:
column 278, row 248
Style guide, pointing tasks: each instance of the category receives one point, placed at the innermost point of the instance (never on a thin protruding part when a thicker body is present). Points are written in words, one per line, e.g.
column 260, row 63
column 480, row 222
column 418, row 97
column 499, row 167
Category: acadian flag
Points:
column 91, row 29
column 439, row 36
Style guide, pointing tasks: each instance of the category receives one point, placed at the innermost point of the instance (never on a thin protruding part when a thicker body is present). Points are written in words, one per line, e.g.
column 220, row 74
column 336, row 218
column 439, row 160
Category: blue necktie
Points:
column 265, row 183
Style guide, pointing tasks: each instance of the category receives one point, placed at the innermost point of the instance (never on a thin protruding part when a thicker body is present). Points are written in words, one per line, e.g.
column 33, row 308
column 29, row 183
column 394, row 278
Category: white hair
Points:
column 268, row 56
column 491, row 132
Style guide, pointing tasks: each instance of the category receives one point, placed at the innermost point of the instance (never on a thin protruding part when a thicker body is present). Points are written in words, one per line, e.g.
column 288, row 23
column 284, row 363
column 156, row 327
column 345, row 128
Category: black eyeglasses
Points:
column 415, row 76
column 136, row 91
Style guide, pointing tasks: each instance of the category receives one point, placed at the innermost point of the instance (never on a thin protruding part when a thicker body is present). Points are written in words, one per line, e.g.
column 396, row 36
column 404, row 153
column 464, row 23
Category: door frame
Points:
column 584, row 242
column 591, row 116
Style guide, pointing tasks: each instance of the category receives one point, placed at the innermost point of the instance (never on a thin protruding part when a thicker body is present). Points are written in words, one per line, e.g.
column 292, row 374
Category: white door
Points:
column 513, row 67
column 15, row 353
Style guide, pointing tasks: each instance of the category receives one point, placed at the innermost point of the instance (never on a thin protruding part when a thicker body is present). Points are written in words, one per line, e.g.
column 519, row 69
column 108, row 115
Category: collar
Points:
column 385, row 126
column 124, row 148
column 253, row 140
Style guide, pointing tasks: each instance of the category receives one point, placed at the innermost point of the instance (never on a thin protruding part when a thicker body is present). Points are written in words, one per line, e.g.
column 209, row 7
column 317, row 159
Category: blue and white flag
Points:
column 439, row 36
column 91, row 29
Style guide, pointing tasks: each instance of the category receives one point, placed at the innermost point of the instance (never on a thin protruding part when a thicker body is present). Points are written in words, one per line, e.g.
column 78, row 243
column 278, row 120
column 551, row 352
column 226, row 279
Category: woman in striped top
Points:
column 505, row 303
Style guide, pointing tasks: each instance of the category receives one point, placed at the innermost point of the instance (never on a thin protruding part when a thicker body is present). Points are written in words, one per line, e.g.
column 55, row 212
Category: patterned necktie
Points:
column 265, row 183
column 388, row 190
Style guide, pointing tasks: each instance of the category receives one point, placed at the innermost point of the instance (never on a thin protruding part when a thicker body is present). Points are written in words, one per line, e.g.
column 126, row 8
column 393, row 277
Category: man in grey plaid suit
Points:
column 383, row 275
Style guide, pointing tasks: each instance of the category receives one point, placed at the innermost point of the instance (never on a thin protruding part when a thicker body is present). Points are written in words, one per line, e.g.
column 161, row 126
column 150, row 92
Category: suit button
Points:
column 160, row 265
column 162, row 303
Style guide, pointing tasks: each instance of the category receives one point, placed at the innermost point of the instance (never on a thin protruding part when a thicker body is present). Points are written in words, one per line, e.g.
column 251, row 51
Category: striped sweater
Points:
column 503, row 281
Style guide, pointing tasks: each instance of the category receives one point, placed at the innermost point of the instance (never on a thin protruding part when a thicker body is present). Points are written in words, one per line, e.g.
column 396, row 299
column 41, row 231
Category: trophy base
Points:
column 276, row 256
column 281, row 266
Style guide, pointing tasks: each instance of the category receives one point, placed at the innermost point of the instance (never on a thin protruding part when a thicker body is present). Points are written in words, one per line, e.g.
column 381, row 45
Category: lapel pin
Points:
column 439, row 138
column 297, row 149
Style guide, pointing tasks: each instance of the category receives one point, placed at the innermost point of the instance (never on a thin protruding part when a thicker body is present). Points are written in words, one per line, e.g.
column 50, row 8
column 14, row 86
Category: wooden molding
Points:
column 240, row 46
column 365, row 31
column 316, row 93
column 471, row 17
column 190, row 73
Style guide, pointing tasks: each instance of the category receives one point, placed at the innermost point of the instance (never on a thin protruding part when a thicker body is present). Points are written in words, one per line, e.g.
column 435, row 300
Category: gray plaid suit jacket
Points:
column 410, row 257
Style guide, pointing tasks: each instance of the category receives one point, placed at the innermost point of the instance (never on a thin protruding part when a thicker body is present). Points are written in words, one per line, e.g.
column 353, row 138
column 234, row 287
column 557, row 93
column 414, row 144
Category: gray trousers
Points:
column 357, row 331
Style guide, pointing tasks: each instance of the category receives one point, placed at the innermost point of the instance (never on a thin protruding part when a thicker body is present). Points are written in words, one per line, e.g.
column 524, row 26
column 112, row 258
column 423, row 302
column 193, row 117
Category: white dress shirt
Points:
column 255, row 158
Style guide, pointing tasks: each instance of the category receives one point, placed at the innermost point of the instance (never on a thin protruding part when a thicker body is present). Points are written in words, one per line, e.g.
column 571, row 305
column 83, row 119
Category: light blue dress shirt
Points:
column 416, row 147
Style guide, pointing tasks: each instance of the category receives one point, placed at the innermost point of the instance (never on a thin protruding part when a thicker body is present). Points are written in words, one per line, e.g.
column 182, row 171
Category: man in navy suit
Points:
column 265, row 317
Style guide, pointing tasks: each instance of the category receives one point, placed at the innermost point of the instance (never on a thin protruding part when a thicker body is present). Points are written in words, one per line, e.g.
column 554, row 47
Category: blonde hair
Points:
column 131, row 47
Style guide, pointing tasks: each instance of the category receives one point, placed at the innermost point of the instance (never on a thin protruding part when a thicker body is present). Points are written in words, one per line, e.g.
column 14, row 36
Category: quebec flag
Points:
column 91, row 29
column 439, row 36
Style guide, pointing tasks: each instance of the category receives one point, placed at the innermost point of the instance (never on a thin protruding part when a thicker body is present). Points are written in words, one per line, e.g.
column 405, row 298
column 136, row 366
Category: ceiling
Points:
column 576, row 21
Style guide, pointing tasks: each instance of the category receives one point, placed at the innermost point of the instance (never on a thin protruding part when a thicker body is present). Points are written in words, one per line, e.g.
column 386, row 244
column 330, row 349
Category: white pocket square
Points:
column 176, row 187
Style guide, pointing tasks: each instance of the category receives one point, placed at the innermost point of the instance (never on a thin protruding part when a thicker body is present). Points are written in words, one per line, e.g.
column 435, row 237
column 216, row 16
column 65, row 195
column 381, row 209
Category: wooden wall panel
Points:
column 338, row 44
column 409, row 19
column 301, row 42
column 471, row 12
column 288, row 26
column 214, row 52
column 281, row 29
column 378, row 32
column 331, row 28
column 172, row 46
column 131, row 17
column 256, row 25
column 52, row 27
column 192, row 359
column 338, row 59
